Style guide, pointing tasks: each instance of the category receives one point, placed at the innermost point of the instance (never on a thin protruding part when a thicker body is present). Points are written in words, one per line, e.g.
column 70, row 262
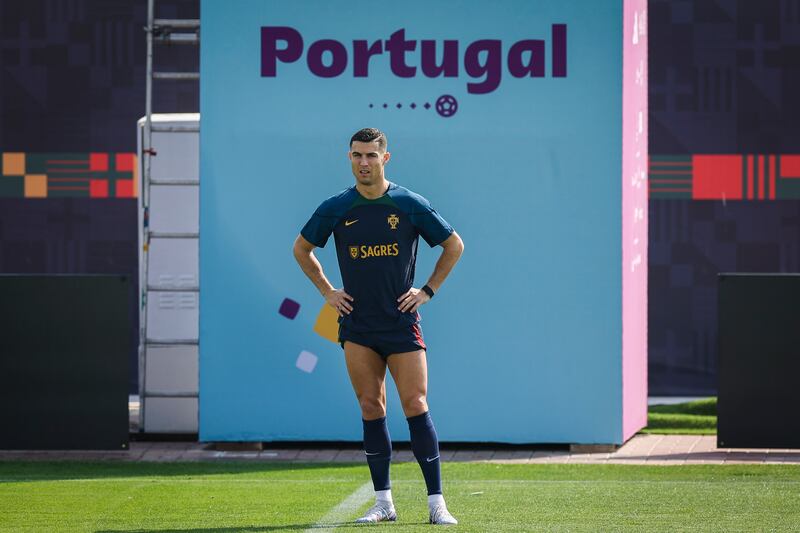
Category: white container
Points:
column 169, row 314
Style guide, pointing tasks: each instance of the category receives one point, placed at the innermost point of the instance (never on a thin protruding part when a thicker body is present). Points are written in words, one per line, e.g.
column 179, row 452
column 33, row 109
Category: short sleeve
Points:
column 319, row 228
column 432, row 227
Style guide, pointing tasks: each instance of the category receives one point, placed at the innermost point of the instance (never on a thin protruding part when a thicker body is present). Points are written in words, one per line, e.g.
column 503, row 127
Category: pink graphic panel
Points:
column 634, row 217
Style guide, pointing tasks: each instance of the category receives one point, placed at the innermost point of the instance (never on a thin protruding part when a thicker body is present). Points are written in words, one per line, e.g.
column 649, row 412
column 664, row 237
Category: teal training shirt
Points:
column 376, row 245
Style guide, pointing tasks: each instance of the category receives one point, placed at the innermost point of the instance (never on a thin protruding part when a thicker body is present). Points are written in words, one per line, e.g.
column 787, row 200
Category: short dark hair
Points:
column 367, row 135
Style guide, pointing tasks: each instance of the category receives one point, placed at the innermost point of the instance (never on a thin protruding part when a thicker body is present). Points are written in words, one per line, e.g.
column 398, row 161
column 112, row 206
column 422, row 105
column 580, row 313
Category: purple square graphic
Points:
column 289, row 308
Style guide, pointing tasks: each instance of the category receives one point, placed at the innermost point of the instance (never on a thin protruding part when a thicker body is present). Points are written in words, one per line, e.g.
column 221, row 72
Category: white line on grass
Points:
column 344, row 510
column 417, row 481
column 169, row 480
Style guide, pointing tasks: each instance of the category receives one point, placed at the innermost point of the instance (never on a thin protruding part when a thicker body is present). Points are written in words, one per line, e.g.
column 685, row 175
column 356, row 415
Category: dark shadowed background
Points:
column 724, row 79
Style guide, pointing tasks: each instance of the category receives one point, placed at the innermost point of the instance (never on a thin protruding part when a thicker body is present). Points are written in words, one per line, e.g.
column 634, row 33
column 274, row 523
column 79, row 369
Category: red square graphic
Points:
column 790, row 166
column 716, row 177
column 98, row 162
column 124, row 189
column 98, row 188
column 124, row 162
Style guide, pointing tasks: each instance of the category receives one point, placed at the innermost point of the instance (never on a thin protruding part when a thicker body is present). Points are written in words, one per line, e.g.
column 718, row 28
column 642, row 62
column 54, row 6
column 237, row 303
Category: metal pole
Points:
column 147, row 152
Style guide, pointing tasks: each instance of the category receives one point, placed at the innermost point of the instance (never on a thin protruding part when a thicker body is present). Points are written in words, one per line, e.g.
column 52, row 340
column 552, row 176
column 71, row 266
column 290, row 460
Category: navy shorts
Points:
column 385, row 343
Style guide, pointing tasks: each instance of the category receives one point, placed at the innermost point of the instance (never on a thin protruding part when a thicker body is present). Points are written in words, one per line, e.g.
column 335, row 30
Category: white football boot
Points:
column 441, row 516
column 380, row 512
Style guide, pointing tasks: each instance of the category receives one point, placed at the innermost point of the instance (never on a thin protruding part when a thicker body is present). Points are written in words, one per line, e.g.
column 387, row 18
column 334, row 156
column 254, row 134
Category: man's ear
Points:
column 386, row 157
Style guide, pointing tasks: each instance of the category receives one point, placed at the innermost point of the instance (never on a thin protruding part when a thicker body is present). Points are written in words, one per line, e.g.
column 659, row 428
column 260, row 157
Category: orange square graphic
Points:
column 98, row 162
column 327, row 323
column 124, row 162
column 124, row 189
column 35, row 186
column 13, row 163
column 98, row 188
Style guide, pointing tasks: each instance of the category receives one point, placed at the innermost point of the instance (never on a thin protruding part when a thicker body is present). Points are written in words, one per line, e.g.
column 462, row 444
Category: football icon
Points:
column 446, row 105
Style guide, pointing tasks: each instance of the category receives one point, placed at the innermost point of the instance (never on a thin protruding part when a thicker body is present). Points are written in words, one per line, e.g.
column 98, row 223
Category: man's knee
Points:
column 415, row 405
column 372, row 406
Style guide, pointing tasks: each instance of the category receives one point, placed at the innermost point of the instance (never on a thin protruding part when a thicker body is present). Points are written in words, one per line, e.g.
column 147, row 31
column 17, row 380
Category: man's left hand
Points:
column 412, row 299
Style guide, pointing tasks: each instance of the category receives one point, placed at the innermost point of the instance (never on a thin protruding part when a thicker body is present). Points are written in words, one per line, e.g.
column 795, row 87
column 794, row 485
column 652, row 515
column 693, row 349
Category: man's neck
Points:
column 371, row 192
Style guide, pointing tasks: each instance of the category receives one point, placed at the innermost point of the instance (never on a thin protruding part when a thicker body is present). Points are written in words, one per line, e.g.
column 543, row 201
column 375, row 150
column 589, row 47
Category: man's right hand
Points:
column 339, row 300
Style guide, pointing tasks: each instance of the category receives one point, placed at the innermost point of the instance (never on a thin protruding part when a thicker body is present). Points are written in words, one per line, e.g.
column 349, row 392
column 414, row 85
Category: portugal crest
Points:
column 393, row 221
column 354, row 252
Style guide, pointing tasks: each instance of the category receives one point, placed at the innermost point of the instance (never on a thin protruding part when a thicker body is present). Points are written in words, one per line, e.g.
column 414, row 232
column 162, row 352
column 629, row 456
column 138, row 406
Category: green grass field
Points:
column 231, row 497
column 691, row 418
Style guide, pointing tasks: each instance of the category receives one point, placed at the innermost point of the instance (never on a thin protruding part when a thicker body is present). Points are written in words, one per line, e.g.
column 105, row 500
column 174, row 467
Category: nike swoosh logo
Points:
column 350, row 222
column 429, row 459
column 376, row 453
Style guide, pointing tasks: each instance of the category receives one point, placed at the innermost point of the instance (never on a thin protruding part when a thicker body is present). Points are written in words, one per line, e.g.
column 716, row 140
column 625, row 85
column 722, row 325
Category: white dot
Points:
column 306, row 361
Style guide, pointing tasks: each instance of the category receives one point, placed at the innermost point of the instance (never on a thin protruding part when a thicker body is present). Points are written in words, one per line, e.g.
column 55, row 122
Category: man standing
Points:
column 376, row 225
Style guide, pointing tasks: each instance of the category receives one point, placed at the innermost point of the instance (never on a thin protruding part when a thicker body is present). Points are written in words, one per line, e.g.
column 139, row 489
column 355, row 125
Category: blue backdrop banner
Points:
column 507, row 117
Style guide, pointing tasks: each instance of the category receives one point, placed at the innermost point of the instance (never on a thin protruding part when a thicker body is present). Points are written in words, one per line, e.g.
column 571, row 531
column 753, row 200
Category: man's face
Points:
column 367, row 161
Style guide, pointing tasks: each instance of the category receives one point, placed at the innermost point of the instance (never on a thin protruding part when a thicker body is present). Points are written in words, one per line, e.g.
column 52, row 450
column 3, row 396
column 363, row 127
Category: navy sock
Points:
column 425, row 445
column 378, row 447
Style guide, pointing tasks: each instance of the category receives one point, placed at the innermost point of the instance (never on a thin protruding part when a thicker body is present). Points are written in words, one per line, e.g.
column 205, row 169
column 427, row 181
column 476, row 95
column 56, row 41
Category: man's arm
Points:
column 304, row 254
column 452, row 248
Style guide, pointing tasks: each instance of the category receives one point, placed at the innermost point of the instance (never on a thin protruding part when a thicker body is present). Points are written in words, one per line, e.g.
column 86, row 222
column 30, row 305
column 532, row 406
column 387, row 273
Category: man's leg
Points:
column 367, row 372
column 410, row 373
